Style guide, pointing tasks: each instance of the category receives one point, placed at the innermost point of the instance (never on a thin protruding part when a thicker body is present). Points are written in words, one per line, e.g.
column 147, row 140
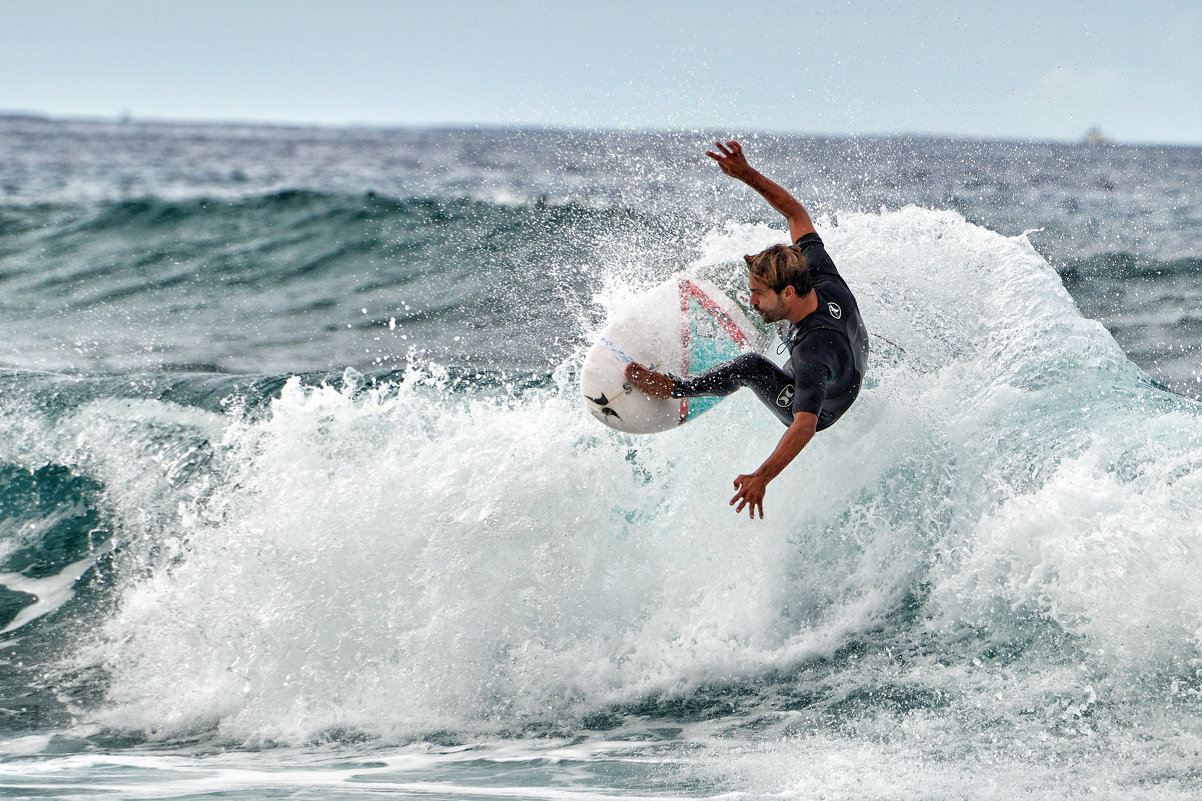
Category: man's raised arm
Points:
column 732, row 161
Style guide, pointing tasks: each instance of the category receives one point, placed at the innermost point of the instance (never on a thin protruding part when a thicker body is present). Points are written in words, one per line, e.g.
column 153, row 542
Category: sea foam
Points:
column 421, row 556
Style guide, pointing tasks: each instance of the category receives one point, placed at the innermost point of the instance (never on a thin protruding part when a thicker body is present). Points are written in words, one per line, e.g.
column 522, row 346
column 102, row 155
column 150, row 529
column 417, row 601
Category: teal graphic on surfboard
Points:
column 683, row 326
column 710, row 338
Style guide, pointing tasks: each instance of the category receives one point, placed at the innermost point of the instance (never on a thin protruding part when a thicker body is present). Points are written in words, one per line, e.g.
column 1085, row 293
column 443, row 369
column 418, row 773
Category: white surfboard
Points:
column 683, row 326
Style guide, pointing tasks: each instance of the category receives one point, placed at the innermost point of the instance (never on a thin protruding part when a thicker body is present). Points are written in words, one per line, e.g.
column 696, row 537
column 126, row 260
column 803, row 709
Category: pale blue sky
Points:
column 1031, row 70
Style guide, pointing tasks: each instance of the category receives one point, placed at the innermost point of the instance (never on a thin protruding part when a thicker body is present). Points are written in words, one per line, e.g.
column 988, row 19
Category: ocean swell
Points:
column 1010, row 495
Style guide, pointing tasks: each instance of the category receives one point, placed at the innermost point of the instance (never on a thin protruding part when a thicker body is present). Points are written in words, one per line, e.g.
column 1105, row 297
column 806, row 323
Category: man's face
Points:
column 764, row 300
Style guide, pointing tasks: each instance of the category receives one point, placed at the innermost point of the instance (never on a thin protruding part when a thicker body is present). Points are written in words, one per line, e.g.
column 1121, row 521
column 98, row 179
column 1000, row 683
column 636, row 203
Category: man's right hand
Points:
column 750, row 493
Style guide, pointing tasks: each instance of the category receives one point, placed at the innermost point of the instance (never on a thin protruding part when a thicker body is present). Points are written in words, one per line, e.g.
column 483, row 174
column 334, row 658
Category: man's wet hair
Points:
column 780, row 266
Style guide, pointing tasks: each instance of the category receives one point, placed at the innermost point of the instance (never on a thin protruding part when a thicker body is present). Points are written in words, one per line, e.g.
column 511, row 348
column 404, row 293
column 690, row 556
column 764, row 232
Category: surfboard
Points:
column 683, row 326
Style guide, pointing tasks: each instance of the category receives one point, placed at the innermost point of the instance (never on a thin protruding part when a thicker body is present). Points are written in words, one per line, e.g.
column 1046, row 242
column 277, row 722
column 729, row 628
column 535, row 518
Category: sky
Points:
column 1046, row 70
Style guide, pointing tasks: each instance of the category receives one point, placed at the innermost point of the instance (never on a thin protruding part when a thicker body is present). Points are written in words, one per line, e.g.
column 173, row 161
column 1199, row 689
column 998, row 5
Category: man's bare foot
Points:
column 657, row 385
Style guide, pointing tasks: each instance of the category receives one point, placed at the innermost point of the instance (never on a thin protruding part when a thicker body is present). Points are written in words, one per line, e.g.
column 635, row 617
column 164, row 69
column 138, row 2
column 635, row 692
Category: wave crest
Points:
column 402, row 558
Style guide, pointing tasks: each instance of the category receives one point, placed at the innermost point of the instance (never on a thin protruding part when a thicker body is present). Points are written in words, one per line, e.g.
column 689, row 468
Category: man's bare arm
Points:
column 732, row 161
column 751, row 487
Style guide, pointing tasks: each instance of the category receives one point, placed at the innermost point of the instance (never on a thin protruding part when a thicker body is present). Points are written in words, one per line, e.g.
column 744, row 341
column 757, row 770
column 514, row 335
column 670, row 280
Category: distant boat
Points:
column 1095, row 137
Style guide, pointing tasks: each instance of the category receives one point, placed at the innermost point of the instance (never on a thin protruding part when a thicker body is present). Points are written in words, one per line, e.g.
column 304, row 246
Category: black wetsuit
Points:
column 828, row 352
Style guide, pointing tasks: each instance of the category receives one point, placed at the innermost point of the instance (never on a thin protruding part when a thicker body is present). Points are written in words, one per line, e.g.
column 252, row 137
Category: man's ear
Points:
column 788, row 293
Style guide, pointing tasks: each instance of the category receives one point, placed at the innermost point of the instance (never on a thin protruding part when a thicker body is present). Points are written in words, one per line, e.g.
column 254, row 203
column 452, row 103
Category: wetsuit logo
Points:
column 834, row 309
column 785, row 398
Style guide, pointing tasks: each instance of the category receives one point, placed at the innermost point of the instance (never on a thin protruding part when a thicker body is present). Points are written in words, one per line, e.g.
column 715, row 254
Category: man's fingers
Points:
column 751, row 505
column 731, row 149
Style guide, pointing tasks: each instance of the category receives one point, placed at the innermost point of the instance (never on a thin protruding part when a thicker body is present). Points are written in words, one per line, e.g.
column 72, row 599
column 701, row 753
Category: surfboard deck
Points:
column 683, row 326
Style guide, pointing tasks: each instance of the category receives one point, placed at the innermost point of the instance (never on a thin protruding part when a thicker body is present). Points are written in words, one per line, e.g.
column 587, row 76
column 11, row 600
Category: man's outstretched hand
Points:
column 750, row 493
column 731, row 159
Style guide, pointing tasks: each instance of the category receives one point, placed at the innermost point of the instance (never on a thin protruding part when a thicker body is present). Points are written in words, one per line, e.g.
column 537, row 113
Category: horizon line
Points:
column 1088, row 138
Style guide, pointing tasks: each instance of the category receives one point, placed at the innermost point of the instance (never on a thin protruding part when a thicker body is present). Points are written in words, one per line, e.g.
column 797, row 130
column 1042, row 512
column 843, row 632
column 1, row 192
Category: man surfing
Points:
column 828, row 344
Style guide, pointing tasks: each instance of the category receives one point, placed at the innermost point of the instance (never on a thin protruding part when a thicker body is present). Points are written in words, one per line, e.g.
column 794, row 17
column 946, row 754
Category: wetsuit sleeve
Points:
column 817, row 363
column 815, row 255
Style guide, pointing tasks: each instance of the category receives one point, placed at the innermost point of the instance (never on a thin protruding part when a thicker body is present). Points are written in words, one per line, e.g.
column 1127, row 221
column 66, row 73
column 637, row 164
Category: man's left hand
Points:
column 750, row 493
column 731, row 159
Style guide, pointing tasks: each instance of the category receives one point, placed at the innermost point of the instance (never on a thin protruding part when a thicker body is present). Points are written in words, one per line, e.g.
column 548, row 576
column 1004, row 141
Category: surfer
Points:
column 828, row 344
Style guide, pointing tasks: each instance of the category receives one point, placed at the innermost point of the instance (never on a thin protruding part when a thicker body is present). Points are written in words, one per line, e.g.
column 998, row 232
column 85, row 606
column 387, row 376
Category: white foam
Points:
column 412, row 558
column 51, row 591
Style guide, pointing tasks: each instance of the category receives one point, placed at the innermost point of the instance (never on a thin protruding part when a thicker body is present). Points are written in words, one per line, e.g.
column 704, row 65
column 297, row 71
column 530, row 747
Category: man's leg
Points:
column 772, row 385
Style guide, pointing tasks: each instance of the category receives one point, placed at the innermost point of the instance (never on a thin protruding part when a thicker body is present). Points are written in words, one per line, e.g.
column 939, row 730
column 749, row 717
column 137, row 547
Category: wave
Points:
column 1151, row 307
column 1008, row 512
column 368, row 220
column 247, row 241
column 1125, row 266
column 300, row 281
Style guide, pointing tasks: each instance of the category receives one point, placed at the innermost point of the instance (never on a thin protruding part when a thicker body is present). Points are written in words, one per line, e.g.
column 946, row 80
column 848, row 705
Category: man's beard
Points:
column 774, row 316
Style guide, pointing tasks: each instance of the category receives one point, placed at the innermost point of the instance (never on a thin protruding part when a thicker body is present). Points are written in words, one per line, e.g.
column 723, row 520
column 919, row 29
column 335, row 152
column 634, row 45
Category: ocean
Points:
column 298, row 498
